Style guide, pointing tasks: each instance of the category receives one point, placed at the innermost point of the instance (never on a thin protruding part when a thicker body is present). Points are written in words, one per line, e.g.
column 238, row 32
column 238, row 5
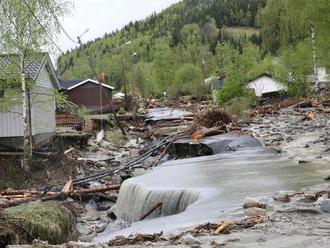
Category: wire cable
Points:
column 60, row 25
column 40, row 24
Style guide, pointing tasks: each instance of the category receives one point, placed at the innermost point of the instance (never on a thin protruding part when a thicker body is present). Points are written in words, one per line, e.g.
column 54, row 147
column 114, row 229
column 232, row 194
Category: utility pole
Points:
column 135, row 104
column 124, row 78
column 315, row 66
column 92, row 67
column 124, row 72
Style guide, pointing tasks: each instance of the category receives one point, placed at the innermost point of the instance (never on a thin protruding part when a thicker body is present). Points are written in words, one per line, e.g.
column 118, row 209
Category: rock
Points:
column 95, row 185
column 133, row 143
column 82, row 245
column 252, row 202
column 252, row 212
column 104, row 205
column 134, row 152
column 281, row 196
column 324, row 205
column 116, row 179
column 112, row 212
column 303, row 162
column 188, row 239
column 102, row 163
column 87, row 238
column 101, row 227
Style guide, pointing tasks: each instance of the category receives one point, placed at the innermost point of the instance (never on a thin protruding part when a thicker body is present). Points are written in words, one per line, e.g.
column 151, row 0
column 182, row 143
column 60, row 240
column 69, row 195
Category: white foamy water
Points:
column 206, row 189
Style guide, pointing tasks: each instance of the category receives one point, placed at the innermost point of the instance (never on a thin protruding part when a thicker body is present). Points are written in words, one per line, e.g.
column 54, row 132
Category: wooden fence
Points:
column 68, row 120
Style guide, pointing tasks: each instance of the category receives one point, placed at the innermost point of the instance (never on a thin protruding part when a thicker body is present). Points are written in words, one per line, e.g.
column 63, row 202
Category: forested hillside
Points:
column 171, row 49
column 195, row 39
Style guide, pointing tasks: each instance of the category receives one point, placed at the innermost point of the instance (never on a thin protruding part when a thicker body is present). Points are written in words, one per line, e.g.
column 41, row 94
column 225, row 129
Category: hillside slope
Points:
column 173, row 47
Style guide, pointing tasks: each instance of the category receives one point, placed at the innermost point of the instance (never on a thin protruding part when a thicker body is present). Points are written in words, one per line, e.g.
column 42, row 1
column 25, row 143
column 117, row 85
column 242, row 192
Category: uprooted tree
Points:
column 27, row 26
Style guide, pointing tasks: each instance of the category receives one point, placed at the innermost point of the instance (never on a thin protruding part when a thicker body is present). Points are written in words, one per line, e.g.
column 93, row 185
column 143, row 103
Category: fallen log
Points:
column 97, row 190
column 208, row 132
column 18, row 192
column 224, row 227
column 16, row 202
column 67, row 187
column 159, row 205
column 62, row 195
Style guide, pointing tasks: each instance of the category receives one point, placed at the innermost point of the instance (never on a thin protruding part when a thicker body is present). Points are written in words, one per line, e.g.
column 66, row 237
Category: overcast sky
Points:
column 105, row 16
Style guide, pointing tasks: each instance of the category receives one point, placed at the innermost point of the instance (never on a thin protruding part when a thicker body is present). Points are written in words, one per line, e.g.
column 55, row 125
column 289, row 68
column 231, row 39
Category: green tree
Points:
column 25, row 28
column 188, row 79
column 235, row 66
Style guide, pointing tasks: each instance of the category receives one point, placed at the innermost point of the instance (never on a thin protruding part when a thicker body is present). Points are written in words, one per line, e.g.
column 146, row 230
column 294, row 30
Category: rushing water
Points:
column 206, row 189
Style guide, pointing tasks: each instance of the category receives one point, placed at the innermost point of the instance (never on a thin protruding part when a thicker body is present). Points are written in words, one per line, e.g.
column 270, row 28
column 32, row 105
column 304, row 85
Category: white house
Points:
column 265, row 84
column 40, row 71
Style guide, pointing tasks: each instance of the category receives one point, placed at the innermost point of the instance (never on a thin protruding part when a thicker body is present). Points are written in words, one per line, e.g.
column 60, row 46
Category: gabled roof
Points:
column 265, row 74
column 33, row 65
column 264, row 84
column 72, row 84
column 66, row 84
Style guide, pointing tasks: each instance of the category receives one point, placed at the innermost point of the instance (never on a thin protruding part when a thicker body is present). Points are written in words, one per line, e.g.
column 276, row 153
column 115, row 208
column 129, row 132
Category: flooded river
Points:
column 207, row 189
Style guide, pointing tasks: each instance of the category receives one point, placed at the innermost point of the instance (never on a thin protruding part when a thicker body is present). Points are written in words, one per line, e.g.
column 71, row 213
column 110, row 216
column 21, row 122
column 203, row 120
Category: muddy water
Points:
column 221, row 182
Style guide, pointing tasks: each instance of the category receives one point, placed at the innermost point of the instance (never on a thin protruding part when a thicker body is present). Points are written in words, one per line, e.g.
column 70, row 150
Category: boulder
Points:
column 281, row 196
column 253, row 211
column 253, row 203
column 188, row 239
column 324, row 204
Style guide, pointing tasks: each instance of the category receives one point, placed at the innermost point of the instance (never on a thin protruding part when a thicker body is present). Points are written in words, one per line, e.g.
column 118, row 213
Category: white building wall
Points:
column 43, row 105
column 42, row 109
column 265, row 85
column 11, row 122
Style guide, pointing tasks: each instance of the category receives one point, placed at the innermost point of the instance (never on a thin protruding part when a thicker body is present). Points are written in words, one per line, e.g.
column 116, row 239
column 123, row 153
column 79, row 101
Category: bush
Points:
column 239, row 106
column 230, row 91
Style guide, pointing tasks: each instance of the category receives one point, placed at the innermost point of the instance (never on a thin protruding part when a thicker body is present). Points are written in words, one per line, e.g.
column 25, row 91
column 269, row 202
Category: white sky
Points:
column 105, row 16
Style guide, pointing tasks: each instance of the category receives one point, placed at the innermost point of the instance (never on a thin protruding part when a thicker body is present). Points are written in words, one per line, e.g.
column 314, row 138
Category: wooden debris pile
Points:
column 214, row 117
column 212, row 122
column 264, row 110
column 210, row 228
column 319, row 106
column 138, row 239
column 311, row 115
column 10, row 197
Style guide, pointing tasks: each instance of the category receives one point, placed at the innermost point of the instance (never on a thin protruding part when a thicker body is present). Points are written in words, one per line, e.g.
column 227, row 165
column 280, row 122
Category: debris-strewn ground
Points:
column 300, row 133
column 292, row 219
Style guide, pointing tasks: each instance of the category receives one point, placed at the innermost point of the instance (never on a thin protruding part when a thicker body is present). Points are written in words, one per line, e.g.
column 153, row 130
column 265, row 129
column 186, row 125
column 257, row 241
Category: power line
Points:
column 40, row 24
column 60, row 25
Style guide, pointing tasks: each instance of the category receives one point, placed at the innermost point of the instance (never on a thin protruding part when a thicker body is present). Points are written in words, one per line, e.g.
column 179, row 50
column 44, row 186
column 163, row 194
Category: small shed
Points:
column 265, row 85
column 40, row 72
column 88, row 93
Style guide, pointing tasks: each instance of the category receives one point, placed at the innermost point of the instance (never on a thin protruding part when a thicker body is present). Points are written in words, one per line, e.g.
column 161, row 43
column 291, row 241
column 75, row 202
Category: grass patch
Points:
column 48, row 221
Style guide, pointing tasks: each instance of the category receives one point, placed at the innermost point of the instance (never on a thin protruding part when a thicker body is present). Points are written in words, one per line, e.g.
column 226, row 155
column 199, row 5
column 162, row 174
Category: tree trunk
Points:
column 26, row 143
column 315, row 67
